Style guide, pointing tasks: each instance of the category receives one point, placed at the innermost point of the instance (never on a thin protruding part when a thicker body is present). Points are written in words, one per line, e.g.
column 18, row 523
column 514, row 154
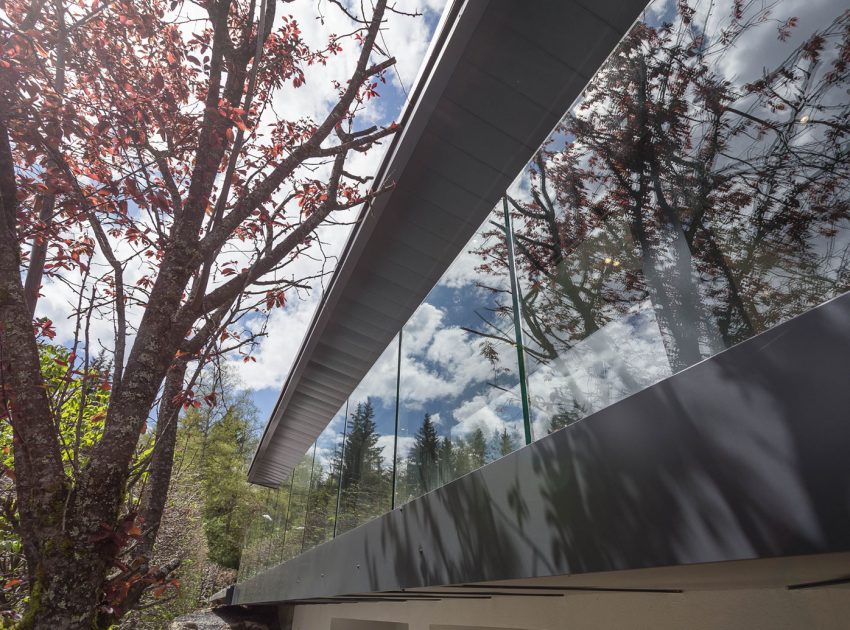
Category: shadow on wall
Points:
column 742, row 456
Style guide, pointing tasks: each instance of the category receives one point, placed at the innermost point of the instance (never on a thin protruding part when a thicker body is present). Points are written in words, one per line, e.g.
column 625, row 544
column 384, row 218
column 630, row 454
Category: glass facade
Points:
column 459, row 400
column 368, row 449
column 695, row 195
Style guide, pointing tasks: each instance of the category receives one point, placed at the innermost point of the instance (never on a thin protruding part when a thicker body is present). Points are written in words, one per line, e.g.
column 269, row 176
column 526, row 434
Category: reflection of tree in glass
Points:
column 503, row 443
column 321, row 505
column 366, row 485
column 434, row 461
column 724, row 202
column 423, row 463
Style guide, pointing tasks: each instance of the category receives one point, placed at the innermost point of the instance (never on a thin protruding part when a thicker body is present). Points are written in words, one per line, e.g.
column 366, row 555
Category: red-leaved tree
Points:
column 147, row 163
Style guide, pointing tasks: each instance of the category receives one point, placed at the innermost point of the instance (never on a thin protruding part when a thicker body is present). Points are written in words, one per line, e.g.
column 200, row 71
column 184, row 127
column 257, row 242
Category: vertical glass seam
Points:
column 288, row 507
column 309, row 494
column 341, row 464
column 270, row 540
column 397, row 406
column 520, row 346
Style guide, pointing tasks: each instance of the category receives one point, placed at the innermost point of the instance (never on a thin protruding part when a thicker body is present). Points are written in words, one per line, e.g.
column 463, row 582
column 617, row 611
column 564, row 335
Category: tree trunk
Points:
column 162, row 460
column 65, row 567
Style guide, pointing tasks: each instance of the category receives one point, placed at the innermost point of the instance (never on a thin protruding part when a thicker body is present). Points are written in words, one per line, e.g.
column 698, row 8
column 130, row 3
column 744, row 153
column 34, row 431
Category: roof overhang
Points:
column 498, row 78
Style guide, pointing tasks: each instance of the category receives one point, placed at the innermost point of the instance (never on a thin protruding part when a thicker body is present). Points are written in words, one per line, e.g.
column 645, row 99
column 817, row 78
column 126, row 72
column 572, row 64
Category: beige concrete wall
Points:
column 769, row 609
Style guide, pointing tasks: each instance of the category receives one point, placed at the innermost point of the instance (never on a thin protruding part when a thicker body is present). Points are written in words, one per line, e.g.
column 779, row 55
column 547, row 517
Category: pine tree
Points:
column 505, row 443
column 217, row 447
column 362, row 453
column 366, row 485
column 447, row 463
column 566, row 416
column 477, row 449
column 423, row 463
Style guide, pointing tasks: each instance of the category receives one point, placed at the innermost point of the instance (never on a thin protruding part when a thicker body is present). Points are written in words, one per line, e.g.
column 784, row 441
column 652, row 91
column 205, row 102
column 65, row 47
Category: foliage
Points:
column 181, row 536
column 366, row 482
column 216, row 444
column 145, row 171
column 80, row 397
column 423, row 462
column 503, row 443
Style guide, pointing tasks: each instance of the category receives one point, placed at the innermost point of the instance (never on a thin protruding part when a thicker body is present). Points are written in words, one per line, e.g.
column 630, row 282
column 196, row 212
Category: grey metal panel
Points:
column 743, row 456
column 434, row 188
column 463, row 169
column 485, row 142
column 499, row 79
column 588, row 38
column 430, row 237
column 616, row 13
column 525, row 67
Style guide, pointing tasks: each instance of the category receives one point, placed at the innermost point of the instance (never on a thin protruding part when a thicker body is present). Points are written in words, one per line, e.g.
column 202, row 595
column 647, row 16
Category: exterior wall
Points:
column 741, row 456
column 648, row 236
column 756, row 609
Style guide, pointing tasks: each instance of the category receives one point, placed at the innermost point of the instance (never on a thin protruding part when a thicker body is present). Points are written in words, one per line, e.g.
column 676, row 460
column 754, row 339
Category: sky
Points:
column 443, row 372
column 407, row 38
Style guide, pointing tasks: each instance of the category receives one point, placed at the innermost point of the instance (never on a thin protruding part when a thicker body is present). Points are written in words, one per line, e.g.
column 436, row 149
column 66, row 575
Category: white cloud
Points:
column 477, row 414
column 406, row 38
column 286, row 327
column 385, row 442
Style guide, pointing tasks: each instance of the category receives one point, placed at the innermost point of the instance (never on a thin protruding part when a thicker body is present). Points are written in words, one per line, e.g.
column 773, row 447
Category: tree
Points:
column 219, row 451
column 477, row 447
column 448, row 463
column 423, row 463
column 362, row 455
column 83, row 400
column 321, row 508
column 720, row 202
column 365, row 484
column 504, row 443
column 142, row 164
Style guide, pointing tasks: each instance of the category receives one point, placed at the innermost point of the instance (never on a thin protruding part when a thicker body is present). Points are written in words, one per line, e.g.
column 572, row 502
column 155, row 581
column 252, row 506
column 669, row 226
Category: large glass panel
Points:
column 696, row 195
column 290, row 537
column 367, row 453
column 302, row 512
column 324, row 490
column 257, row 535
column 460, row 404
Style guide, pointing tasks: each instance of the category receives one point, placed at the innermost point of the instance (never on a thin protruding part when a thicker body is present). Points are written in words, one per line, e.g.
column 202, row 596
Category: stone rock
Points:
column 213, row 620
